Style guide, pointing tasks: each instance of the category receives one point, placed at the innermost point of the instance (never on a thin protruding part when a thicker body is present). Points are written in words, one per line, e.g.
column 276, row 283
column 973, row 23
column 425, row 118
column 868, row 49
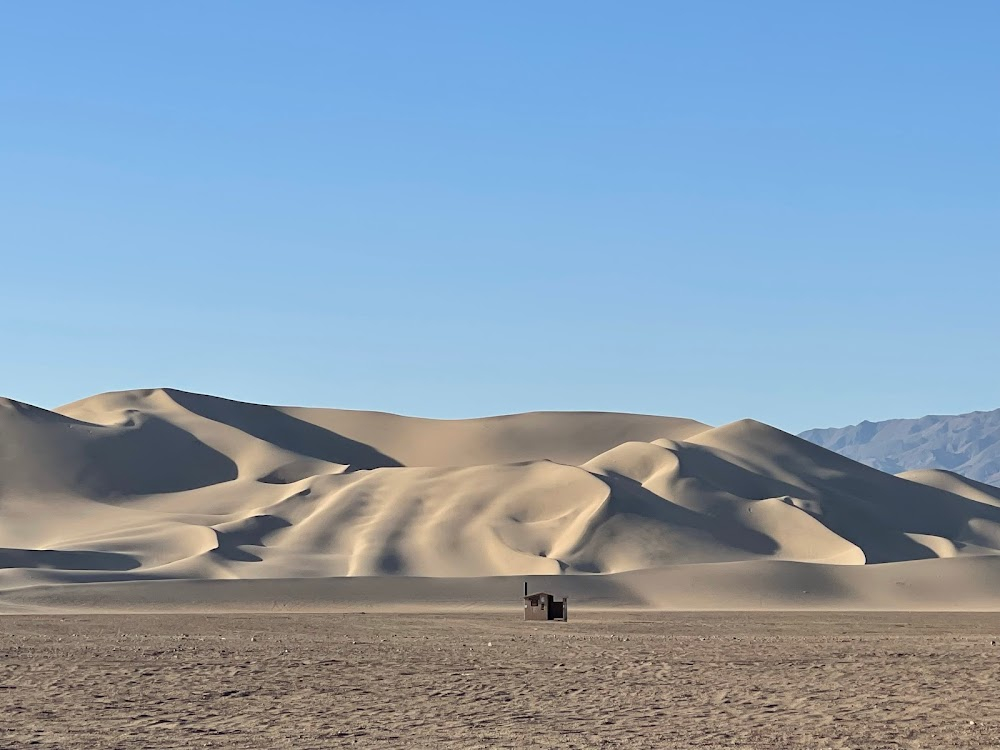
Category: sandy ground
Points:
column 715, row 680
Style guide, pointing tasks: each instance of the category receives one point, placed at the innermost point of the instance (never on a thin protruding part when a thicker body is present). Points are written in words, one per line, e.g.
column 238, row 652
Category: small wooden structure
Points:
column 542, row 606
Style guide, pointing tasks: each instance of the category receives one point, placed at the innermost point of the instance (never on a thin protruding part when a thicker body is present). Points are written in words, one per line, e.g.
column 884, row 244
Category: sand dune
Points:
column 959, row 485
column 163, row 484
column 368, row 440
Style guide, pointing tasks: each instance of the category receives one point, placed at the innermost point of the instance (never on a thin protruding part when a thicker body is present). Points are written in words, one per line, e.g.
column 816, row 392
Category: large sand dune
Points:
column 163, row 484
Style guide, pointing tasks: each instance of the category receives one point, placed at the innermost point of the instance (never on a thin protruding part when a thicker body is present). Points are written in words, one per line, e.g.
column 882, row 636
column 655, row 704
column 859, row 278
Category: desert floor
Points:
column 667, row 680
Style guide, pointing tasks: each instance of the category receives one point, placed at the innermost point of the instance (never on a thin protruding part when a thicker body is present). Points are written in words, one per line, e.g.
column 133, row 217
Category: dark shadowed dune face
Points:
column 284, row 431
column 66, row 560
column 45, row 451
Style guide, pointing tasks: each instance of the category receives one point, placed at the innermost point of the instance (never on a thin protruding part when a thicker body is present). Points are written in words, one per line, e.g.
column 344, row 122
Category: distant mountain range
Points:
column 967, row 444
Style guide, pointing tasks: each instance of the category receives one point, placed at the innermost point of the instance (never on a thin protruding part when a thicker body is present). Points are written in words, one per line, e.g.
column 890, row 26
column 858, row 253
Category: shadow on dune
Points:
column 629, row 496
column 247, row 532
column 284, row 431
column 878, row 534
column 873, row 510
column 148, row 458
column 296, row 471
column 55, row 559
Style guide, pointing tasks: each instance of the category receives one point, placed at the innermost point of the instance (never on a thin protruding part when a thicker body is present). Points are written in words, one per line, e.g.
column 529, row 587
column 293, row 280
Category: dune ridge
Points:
column 157, row 485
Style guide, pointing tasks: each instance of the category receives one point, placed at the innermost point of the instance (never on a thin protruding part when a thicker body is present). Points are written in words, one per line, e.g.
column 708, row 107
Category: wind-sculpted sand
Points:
column 149, row 486
column 761, row 681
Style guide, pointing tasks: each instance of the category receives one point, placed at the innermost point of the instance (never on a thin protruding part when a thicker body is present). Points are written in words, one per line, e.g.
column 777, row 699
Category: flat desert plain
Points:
column 420, row 534
column 761, row 680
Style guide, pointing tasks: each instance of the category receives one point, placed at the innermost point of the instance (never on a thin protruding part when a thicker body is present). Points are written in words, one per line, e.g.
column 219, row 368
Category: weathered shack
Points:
column 542, row 606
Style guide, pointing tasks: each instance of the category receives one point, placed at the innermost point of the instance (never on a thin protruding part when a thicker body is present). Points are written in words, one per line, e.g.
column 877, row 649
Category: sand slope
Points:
column 164, row 484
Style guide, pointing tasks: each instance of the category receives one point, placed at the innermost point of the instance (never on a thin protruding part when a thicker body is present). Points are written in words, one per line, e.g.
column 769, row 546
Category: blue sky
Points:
column 782, row 210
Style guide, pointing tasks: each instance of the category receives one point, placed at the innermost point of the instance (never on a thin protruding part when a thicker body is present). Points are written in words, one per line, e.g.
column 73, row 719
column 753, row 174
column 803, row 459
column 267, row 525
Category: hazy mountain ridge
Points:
column 967, row 444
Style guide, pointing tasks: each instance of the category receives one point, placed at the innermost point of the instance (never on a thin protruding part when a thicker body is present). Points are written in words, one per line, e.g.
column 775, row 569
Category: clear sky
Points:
column 781, row 210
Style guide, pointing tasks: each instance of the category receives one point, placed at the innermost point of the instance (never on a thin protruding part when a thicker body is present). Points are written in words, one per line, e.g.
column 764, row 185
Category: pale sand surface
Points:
column 634, row 680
